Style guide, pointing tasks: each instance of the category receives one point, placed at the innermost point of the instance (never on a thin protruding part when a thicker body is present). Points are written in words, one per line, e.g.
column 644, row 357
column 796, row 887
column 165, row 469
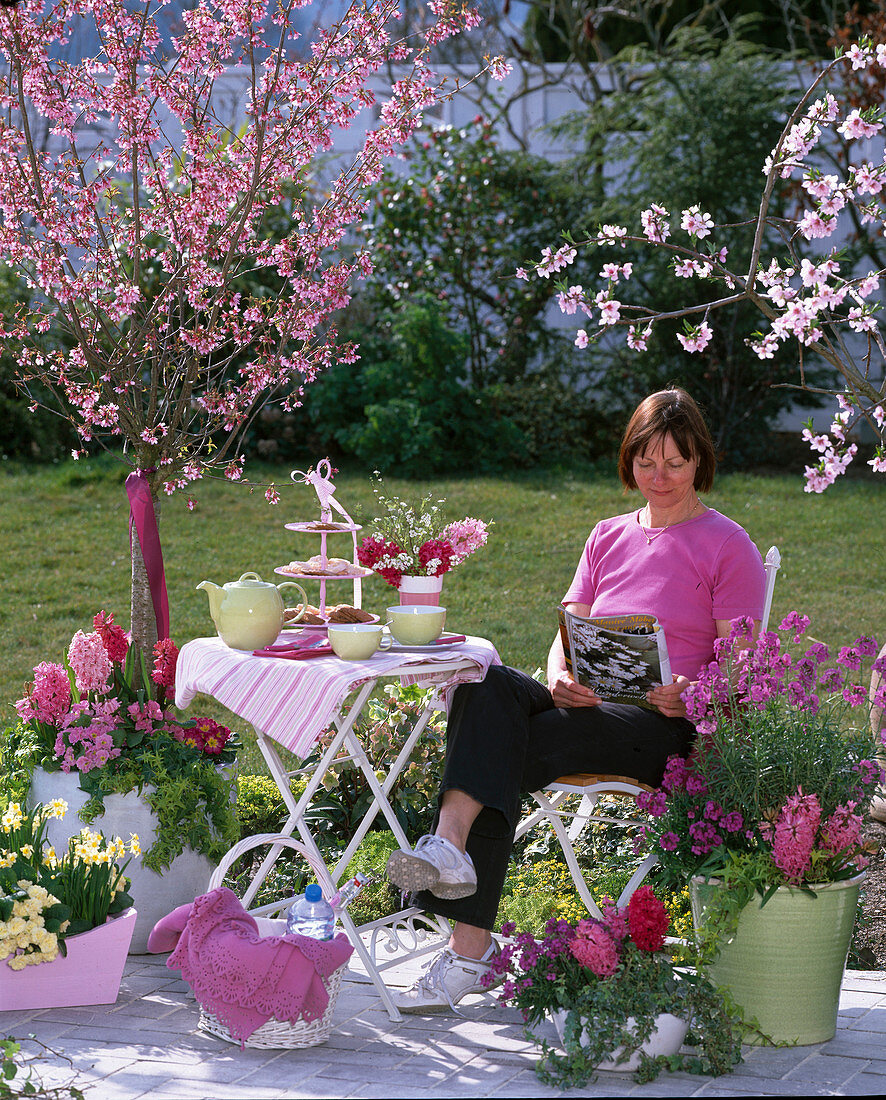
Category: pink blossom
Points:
column 466, row 537
column 855, row 126
column 697, row 338
column 638, row 338
column 697, row 224
column 655, row 224
column 581, row 338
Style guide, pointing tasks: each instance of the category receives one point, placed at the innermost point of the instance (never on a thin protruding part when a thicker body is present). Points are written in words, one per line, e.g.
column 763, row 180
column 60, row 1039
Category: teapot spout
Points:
column 215, row 593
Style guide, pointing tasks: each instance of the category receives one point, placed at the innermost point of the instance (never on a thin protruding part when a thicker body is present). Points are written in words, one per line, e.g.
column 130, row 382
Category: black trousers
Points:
column 505, row 737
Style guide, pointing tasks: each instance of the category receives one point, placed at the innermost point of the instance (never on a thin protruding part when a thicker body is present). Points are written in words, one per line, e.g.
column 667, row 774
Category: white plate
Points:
column 354, row 573
column 332, row 528
column 433, row 647
column 321, row 628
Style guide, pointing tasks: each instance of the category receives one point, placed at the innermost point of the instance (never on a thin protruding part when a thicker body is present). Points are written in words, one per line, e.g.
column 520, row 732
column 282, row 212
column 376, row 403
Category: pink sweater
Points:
column 688, row 576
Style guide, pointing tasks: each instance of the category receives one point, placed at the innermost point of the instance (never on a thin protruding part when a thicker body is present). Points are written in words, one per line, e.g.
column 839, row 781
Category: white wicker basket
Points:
column 278, row 1034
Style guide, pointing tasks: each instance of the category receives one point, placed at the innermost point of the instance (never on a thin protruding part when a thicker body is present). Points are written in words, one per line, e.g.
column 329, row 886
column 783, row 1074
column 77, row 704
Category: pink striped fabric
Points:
column 295, row 701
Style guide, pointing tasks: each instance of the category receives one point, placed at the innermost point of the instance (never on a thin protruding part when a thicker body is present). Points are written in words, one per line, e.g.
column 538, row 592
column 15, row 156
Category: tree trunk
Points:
column 142, row 617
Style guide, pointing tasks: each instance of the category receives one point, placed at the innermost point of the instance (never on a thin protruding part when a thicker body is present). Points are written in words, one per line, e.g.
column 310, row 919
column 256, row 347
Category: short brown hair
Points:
column 669, row 412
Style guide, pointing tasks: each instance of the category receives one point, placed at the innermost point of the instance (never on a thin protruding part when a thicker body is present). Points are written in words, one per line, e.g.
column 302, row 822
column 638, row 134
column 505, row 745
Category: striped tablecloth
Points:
column 295, row 701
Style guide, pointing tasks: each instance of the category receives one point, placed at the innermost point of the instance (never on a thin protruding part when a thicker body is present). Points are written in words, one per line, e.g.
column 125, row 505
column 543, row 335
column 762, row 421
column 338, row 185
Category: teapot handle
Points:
column 304, row 598
column 250, row 576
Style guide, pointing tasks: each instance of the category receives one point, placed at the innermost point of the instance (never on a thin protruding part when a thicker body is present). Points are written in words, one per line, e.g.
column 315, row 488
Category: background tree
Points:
column 136, row 224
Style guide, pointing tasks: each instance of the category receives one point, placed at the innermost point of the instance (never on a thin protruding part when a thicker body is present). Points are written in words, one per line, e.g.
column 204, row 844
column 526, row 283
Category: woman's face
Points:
column 664, row 477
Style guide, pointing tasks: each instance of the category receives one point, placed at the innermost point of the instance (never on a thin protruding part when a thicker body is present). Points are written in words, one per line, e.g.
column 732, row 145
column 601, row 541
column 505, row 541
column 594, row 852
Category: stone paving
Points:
column 148, row 1045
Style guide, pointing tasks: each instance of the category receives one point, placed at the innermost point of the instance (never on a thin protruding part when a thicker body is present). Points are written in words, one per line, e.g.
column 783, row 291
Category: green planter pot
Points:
column 785, row 962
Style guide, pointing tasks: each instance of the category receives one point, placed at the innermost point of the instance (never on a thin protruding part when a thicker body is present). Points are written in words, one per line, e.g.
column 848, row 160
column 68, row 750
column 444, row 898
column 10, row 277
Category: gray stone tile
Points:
column 864, row 1084
column 824, row 1069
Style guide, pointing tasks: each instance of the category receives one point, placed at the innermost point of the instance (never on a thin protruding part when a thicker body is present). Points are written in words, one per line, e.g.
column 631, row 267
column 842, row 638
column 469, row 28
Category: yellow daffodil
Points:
column 57, row 808
column 134, row 845
column 12, row 817
column 27, row 850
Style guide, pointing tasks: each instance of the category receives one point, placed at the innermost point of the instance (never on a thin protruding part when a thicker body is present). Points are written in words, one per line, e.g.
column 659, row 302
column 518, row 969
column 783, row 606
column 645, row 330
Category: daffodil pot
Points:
column 89, row 974
column 420, row 590
column 666, row 1038
column 154, row 893
column 784, row 963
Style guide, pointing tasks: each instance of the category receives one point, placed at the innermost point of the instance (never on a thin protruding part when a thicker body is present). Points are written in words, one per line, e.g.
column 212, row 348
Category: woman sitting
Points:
column 675, row 558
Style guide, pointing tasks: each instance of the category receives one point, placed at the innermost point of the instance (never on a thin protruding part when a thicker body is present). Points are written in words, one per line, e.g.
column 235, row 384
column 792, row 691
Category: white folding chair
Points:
column 569, row 821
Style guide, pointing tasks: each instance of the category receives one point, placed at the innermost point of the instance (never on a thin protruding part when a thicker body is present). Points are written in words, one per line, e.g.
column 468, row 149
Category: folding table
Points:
column 290, row 703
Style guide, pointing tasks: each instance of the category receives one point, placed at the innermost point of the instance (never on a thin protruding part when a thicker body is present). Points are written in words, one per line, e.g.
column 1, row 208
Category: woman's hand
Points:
column 567, row 693
column 667, row 698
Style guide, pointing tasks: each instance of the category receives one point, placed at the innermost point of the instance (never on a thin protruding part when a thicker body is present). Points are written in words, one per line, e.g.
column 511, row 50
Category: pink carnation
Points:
column 88, row 658
column 595, row 948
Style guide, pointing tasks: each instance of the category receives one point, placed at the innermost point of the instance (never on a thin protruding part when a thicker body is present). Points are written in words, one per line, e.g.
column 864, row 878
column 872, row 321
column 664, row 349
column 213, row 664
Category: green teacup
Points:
column 416, row 624
column 356, row 641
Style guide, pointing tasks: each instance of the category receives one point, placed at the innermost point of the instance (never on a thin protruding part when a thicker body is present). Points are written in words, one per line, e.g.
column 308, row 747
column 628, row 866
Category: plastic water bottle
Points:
column 310, row 915
column 348, row 891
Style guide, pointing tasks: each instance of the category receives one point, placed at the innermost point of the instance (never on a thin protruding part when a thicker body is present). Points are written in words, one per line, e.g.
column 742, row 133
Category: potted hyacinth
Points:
column 411, row 550
column 766, row 820
column 66, row 916
column 99, row 730
column 616, row 997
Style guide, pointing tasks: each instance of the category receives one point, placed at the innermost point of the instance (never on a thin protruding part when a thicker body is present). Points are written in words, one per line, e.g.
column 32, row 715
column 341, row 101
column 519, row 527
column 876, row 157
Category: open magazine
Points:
column 619, row 657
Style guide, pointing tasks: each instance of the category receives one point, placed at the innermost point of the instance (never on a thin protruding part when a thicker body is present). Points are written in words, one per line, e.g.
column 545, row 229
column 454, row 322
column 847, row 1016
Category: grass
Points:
column 65, row 553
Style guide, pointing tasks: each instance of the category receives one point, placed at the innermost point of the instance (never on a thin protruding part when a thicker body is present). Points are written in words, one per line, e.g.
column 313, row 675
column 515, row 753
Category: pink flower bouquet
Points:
column 784, row 767
column 408, row 540
column 613, row 979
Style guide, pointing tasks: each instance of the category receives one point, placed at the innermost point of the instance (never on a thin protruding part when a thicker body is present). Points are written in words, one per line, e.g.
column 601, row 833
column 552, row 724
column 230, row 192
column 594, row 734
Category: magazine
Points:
column 619, row 657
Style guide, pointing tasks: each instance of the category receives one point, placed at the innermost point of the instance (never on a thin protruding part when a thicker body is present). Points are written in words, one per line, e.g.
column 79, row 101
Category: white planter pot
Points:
column 154, row 894
column 421, row 590
column 666, row 1038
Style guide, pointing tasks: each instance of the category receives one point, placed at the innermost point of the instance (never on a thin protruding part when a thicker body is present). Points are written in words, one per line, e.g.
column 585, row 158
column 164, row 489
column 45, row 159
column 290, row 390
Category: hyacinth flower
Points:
column 784, row 767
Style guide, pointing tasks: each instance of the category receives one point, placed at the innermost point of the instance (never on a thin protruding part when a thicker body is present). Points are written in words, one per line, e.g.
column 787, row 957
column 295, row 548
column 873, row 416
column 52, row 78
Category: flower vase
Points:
column 89, row 974
column 784, row 964
column 154, row 894
column 420, row 590
column 666, row 1038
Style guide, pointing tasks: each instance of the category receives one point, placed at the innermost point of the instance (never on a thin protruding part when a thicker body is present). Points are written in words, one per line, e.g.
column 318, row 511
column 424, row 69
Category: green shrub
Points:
column 260, row 806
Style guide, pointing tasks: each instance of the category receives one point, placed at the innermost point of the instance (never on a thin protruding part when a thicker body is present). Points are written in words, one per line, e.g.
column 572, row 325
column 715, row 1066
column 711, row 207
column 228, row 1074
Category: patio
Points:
column 148, row 1044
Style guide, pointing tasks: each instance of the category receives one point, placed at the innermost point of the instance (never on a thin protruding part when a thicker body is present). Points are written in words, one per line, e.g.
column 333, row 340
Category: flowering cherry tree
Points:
column 804, row 295
column 135, row 243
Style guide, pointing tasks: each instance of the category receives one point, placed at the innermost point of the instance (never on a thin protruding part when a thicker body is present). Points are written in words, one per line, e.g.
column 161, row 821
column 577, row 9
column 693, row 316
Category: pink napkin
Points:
column 244, row 978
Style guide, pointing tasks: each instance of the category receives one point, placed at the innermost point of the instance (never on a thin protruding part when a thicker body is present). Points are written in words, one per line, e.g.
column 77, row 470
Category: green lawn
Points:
column 65, row 553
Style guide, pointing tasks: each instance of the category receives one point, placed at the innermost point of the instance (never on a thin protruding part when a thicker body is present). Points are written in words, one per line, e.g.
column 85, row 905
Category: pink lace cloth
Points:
column 244, row 978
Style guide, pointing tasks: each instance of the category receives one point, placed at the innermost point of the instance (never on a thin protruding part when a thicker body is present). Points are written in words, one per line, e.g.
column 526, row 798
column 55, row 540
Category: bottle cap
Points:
column 313, row 893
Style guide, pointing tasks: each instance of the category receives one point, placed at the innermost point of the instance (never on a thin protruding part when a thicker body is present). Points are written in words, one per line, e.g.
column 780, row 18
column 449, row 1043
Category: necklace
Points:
column 651, row 538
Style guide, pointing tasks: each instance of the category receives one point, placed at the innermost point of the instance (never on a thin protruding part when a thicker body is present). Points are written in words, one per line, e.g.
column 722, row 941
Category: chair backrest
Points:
column 772, row 564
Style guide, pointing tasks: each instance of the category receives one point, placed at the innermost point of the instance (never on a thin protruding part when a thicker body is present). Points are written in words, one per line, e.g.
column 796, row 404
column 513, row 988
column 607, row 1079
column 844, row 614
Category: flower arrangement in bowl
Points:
column 617, row 998
column 105, row 717
column 409, row 540
column 45, row 896
column 767, row 812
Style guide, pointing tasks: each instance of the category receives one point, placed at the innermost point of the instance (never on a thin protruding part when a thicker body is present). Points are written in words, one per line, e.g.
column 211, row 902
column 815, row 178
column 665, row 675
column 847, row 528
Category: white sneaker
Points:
column 435, row 865
column 447, row 979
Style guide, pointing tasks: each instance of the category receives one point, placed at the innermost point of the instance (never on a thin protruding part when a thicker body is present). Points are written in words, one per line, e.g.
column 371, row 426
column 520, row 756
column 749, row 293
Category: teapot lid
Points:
column 250, row 580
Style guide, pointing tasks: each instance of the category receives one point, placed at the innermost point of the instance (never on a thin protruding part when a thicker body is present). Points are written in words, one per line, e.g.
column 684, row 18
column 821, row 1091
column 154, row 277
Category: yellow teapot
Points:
column 248, row 613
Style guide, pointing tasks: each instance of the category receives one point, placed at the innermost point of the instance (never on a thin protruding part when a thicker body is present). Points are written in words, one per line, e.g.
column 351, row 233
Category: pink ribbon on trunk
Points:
column 141, row 514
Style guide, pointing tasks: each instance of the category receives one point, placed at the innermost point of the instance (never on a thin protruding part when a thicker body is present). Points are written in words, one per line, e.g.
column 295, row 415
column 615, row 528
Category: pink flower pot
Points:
column 89, row 974
column 420, row 590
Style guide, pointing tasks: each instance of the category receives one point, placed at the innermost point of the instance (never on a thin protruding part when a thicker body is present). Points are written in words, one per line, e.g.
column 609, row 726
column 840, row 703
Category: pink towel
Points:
column 244, row 978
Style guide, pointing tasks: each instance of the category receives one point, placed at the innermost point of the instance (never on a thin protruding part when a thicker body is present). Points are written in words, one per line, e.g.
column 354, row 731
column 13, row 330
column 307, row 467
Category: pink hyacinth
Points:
column 465, row 536
column 794, row 836
column 595, row 948
column 88, row 658
column 842, row 830
column 49, row 699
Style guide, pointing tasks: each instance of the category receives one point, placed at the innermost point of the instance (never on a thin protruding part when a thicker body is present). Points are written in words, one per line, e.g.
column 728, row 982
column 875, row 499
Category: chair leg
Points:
column 636, row 879
column 550, row 812
column 582, row 816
